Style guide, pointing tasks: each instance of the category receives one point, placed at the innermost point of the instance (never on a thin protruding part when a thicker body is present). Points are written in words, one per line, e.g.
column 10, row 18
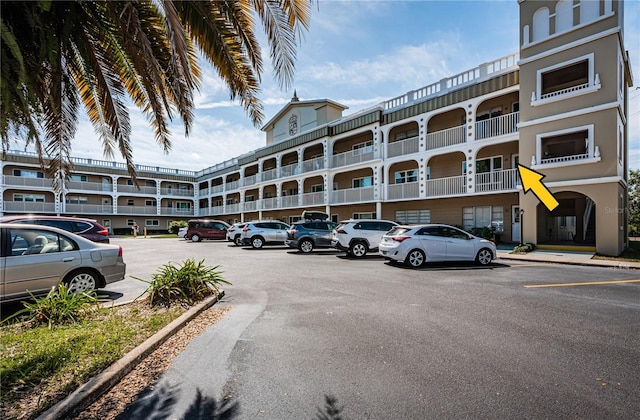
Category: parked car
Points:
column 270, row 232
column 357, row 237
column 87, row 228
column 234, row 233
column 308, row 235
column 200, row 229
column 35, row 258
column 415, row 245
column 182, row 232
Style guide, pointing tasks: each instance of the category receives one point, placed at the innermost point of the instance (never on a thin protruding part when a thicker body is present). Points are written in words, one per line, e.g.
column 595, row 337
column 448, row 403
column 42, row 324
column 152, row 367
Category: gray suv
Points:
column 258, row 234
column 357, row 237
column 308, row 235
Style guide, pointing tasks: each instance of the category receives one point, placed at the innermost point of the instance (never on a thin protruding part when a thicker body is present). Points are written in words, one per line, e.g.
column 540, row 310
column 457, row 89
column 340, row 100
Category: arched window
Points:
column 541, row 24
column 564, row 15
column 589, row 10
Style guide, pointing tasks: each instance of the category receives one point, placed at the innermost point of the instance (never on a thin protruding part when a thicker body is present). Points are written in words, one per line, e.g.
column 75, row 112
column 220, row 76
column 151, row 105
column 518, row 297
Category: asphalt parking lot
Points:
column 511, row 340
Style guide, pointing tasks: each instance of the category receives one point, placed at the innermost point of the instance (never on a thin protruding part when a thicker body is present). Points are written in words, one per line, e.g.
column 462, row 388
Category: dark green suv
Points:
column 307, row 235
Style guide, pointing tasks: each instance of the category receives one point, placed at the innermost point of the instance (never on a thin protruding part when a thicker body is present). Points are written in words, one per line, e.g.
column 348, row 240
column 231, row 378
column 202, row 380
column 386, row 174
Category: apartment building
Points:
column 447, row 152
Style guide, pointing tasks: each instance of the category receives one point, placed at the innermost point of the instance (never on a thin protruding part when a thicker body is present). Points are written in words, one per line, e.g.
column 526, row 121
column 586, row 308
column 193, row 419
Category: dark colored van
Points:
column 200, row 229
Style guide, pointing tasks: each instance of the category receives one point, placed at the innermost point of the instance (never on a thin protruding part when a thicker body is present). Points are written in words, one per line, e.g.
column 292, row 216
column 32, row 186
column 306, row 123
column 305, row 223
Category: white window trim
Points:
column 491, row 168
column 150, row 222
column 360, row 179
column 405, row 175
column 591, row 152
column 594, row 81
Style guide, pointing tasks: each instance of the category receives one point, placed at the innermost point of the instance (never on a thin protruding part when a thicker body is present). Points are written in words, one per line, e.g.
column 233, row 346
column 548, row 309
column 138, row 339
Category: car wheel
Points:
column 237, row 240
column 484, row 256
column 257, row 242
column 195, row 238
column 306, row 246
column 415, row 258
column 358, row 249
column 81, row 281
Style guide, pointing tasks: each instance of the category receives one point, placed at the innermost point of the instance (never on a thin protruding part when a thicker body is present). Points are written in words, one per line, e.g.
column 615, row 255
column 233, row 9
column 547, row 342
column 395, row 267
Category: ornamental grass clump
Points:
column 59, row 307
column 183, row 284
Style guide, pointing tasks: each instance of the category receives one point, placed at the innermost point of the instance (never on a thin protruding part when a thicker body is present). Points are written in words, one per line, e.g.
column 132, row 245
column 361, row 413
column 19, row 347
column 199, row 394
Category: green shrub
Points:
column 183, row 284
column 175, row 225
column 59, row 307
column 524, row 248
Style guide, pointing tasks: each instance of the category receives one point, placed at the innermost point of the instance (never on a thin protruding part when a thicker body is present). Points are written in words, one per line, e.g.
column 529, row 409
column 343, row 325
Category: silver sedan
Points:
column 36, row 258
column 417, row 244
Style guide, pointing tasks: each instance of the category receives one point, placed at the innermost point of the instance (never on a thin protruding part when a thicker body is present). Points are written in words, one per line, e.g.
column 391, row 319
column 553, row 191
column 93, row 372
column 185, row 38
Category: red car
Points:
column 87, row 228
column 200, row 229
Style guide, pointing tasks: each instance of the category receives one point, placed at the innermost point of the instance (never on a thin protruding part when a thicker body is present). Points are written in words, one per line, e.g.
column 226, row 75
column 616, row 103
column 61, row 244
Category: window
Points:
column 359, row 216
column 78, row 178
column 26, row 173
column 564, row 15
column 491, row 164
column 29, row 198
column 407, row 217
column 565, row 80
column 129, row 182
column 150, row 203
column 406, row 134
column 571, row 146
column 317, row 188
column 363, row 182
column 148, row 183
column 183, row 206
column 481, row 217
column 130, row 222
column 76, row 200
column 248, row 198
column 402, row 177
column 152, row 222
column 541, row 24
column 362, row 148
column 130, row 202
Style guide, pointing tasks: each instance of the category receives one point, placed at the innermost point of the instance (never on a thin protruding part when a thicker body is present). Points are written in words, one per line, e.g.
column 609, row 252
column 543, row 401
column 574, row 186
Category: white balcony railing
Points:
column 23, row 181
column 137, row 210
column 250, row 206
column 313, row 199
column 269, row 203
column 565, row 91
column 400, row 191
column 403, row 147
column 249, row 180
column 505, row 180
column 89, row 186
column 270, row 174
column 133, row 189
column 173, row 211
column 203, row 192
column 232, row 208
column 289, row 170
column 352, row 195
column 88, row 208
column 565, row 158
column 453, row 185
column 350, row 158
column 217, row 188
column 447, row 137
column 233, row 185
column 29, row 207
column 216, row 210
column 290, row 201
column 497, row 126
column 177, row 191
column 313, row 164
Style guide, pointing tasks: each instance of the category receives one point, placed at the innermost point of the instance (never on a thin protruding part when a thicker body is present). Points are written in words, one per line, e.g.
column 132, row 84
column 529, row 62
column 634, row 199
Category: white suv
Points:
column 258, row 234
column 357, row 237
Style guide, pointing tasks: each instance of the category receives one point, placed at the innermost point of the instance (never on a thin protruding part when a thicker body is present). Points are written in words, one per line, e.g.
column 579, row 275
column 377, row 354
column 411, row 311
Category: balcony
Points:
column 447, row 137
column 250, row 206
column 232, row 208
column 217, row 189
column 496, row 181
column 23, row 181
column 137, row 210
column 177, row 191
column 313, row 199
column 133, row 189
column 233, row 185
column 270, row 174
column 313, row 164
column 216, row 210
column 88, row 208
column 290, row 201
column 497, row 126
column 442, row 187
column 90, row 186
column 203, row 192
column 289, row 170
column 250, row 180
column 173, row 211
column 352, row 195
column 351, row 158
column 402, row 191
column 270, row 203
column 403, row 147
column 29, row 207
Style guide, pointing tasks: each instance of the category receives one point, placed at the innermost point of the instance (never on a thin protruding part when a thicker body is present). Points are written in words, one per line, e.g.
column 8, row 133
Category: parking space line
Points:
column 590, row 283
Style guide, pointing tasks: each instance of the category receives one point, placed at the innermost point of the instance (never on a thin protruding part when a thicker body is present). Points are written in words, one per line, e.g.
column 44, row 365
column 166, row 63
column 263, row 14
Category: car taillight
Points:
column 104, row 232
column 293, row 231
column 246, row 229
column 400, row 238
column 231, row 230
column 120, row 252
column 340, row 231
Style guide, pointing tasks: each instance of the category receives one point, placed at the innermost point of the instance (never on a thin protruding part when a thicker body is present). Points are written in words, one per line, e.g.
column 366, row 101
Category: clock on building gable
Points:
column 293, row 124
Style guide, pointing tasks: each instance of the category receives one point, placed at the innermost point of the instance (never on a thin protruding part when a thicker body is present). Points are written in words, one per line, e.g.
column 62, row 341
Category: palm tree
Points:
column 57, row 55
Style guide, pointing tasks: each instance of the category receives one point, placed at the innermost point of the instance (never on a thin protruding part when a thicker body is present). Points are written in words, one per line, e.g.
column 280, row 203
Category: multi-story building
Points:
column 447, row 152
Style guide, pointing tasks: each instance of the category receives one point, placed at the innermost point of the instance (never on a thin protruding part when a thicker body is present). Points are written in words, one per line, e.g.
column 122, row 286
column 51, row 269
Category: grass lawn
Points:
column 632, row 254
column 40, row 366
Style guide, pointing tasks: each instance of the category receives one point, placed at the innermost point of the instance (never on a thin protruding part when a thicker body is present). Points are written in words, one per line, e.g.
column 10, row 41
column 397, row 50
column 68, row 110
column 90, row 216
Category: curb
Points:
column 590, row 263
column 102, row 382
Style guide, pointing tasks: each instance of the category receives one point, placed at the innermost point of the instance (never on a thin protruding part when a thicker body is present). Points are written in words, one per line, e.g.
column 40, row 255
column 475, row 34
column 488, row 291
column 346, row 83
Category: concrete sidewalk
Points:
column 566, row 257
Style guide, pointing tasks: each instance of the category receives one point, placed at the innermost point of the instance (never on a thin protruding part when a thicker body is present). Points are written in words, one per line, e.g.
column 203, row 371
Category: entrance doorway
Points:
column 573, row 222
column 515, row 224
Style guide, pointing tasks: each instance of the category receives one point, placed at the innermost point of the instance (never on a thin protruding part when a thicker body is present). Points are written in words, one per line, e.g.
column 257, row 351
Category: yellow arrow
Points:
column 532, row 181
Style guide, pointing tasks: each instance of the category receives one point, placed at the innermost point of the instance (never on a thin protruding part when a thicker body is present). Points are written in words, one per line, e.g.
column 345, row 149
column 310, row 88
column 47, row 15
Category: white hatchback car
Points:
column 415, row 245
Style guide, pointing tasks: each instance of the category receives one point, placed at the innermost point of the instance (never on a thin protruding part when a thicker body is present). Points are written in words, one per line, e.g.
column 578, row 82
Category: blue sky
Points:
column 358, row 53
